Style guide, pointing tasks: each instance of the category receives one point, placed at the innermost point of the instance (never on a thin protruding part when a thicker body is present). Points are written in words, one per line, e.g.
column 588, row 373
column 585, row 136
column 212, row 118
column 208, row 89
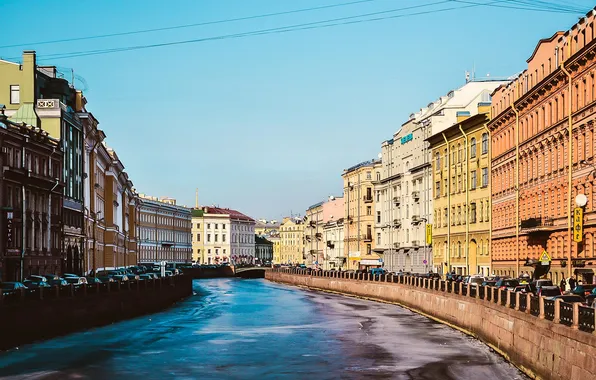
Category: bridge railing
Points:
column 570, row 314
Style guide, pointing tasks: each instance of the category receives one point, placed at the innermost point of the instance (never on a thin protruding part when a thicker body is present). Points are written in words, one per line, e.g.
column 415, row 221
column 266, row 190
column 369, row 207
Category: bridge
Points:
column 251, row 272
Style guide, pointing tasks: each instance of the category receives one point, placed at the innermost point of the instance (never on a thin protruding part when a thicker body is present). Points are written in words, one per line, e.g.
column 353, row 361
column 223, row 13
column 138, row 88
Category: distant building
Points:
column 164, row 231
column 267, row 227
column 228, row 236
column 333, row 250
column 291, row 234
column 317, row 216
column 263, row 250
column 198, row 238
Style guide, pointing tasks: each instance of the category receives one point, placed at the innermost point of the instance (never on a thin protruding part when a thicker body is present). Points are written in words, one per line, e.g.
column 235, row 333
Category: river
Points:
column 254, row 329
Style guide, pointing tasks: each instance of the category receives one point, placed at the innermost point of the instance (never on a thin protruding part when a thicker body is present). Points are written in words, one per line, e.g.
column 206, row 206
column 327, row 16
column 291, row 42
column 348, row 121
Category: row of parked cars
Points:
column 133, row 273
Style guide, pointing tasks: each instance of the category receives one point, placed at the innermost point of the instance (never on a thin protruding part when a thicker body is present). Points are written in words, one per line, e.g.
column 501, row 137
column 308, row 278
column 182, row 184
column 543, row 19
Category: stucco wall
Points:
column 540, row 347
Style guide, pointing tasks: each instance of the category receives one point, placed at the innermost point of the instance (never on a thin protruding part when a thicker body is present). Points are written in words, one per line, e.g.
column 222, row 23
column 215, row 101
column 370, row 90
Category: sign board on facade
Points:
column 406, row 138
column 578, row 224
column 46, row 103
column 8, row 228
column 545, row 258
column 370, row 262
column 429, row 234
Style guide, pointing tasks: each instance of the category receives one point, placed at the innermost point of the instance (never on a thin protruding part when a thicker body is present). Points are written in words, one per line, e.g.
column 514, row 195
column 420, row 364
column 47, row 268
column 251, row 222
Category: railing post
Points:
column 508, row 300
column 517, row 295
column 71, row 290
column 468, row 289
column 528, row 303
column 486, row 290
column 575, row 324
column 541, row 303
column 557, row 318
column 84, row 290
column 461, row 288
column 40, row 292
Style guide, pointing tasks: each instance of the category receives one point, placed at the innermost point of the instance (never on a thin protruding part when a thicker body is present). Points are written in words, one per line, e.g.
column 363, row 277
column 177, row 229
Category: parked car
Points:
column 76, row 280
column 583, row 290
column 521, row 289
column 377, row 271
column 105, row 279
column 37, row 279
column 489, row 283
column 11, row 287
column 508, row 284
column 58, row 282
column 476, row 280
column 591, row 300
column 146, row 276
column 50, row 277
column 569, row 298
column 32, row 284
column 93, row 280
column 549, row 291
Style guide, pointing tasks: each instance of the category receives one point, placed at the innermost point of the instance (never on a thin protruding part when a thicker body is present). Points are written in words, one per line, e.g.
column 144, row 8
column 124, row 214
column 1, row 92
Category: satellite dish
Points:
column 331, row 198
column 581, row 200
column 380, row 155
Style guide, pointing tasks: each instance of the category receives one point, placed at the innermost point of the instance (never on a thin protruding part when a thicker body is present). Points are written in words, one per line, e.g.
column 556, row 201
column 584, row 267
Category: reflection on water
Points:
column 254, row 329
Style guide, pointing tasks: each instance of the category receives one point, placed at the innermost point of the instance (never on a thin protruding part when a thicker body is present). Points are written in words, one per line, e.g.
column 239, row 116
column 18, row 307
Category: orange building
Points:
column 536, row 161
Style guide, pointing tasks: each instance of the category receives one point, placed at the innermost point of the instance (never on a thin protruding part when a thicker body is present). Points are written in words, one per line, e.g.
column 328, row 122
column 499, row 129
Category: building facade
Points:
column 461, row 165
column 359, row 219
column 333, row 237
column 263, row 250
column 198, row 237
column 542, row 137
column 31, row 197
column 292, row 241
column 164, row 231
column 37, row 96
column 313, row 235
column 267, row 227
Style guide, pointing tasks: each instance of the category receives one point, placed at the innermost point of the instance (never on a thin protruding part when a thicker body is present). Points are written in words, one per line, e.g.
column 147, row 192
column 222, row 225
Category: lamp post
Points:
column 425, row 253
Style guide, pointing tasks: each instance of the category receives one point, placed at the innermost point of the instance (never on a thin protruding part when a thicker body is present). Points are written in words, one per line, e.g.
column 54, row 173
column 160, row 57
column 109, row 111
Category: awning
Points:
column 583, row 271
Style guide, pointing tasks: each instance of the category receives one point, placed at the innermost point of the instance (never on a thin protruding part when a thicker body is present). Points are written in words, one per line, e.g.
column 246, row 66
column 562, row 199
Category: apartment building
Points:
column 292, row 241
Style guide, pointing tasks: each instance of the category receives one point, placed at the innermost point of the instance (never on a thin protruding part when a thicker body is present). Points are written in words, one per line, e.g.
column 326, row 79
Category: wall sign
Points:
column 46, row 103
column 9, row 228
column 406, row 138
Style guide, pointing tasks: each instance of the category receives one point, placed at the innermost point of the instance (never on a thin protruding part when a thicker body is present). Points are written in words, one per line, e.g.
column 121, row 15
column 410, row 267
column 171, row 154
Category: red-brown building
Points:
column 31, row 188
column 535, row 161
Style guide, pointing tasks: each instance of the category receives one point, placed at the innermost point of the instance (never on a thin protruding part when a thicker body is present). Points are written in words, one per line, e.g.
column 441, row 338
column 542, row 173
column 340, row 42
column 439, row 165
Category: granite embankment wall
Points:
column 541, row 348
column 36, row 314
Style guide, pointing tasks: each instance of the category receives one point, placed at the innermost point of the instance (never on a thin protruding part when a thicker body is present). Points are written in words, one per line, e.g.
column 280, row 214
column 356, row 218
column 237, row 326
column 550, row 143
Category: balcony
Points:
column 312, row 252
column 395, row 245
column 415, row 243
column 312, row 223
column 416, row 219
column 536, row 224
column 318, row 235
column 368, row 198
column 396, row 201
column 397, row 222
column 416, row 194
column 367, row 237
column 330, row 244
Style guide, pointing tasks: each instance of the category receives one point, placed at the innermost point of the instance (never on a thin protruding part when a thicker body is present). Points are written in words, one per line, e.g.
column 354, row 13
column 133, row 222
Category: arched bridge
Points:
column 250, row 272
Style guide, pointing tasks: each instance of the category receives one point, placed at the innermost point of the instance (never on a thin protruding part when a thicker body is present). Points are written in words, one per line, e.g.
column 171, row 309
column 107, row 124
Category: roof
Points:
column 26, row 114
column 261, row 240
column 362, row 164
column 227, row 211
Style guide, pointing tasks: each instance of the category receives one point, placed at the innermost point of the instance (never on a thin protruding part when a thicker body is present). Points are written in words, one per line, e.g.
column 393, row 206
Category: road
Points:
column 254, row 329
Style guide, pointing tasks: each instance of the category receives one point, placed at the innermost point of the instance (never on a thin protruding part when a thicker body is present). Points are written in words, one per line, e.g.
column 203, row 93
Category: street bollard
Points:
column 575, row 324
column 557, row 318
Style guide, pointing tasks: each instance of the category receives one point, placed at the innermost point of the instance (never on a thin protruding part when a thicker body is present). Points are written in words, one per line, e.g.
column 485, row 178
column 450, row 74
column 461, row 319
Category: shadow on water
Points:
column 253, row 329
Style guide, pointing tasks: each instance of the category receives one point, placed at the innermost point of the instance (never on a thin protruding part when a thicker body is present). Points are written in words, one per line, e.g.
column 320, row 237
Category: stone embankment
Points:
column 545, row 339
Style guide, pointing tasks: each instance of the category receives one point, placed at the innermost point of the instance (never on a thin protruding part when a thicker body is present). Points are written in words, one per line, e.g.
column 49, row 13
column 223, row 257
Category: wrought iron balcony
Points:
column 416, row 194
column 396, row 201
column 536, row 223
column 415, row 243
column 416, row 219
column 368, row 198
column 397, row 222
column 367, row 237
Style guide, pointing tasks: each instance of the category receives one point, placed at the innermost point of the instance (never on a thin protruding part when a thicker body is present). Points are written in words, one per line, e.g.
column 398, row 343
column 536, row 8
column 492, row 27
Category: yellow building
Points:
column 276, row 240
column 197, row 236
column 461, row 185
column 291, row 233
column 359, row 214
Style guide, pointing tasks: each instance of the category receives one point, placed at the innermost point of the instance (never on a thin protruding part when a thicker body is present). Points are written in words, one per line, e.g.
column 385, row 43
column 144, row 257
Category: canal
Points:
column 254, row 329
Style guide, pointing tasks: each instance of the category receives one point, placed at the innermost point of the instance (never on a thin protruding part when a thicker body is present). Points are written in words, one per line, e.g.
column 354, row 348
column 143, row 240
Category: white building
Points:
column 228, row 236
column 403, row 205
column 333, row 250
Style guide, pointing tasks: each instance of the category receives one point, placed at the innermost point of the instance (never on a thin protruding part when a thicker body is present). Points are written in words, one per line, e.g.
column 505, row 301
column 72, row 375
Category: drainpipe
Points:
column 23, row 214
column 516, row 188
column 467, row 200
column 490, row 216
column 448, row 158
column 569, row 160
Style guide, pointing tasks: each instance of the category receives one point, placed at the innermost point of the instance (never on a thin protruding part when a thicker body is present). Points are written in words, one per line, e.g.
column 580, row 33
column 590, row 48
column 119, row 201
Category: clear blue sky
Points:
column 266, row 124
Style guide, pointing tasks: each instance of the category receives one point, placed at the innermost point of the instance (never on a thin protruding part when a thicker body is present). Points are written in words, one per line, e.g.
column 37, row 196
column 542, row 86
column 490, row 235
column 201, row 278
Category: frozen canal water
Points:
column 254, row 329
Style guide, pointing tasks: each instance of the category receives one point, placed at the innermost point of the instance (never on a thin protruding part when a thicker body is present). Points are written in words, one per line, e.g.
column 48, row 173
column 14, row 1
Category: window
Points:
column 437, row 161
column 378, row 238
column 209, row 251
column 446, row 155
column 223, row 226
column 473, row 213
column 15, row 94
column 223, row 238
column 378, row 195
column 438, row 189
column 198, row 237
column 208, row 226
column 216, row 236
column 368, row 210
column 473, row 180
column 484, row 177
column 378, row 216
column 378, row 176
column 459, row 153
column 208, row 237
column 368, row 175
column 198, row 225
column 215, row 225
column 484, row 143
column 473, row 148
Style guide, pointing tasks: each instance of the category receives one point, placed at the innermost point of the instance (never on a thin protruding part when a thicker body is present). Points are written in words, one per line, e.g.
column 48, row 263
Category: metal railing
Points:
column 583, row 318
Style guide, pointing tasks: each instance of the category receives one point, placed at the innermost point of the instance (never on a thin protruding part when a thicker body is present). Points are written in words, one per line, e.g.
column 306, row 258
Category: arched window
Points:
column 473, row 147
column 484, row 143
column 458, row 249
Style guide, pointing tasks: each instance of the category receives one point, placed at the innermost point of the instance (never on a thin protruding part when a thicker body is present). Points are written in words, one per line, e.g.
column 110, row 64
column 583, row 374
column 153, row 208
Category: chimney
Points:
column 27, row 86
column 462, row 115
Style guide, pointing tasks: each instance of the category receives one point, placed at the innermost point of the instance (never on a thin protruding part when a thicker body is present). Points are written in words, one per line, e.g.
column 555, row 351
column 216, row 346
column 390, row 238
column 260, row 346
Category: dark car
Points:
column 521, row 289
column 58, row 282
column 549, row 291
column 583, row 290
column 10, row 287
column 508, row 284
column 590, row 300
column 32, row 284
column 93, row 280
column 569, row 298
column 489, row 283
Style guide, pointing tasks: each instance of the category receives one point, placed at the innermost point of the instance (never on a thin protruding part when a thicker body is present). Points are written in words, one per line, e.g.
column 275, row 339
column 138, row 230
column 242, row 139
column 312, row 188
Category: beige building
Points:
column 291, row 233
column 461, row 178
column 276, row 240
column 359, row 220
column 197, row 230
column 313, row 235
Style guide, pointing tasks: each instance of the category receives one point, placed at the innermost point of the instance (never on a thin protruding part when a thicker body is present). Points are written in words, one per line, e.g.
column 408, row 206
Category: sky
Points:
column 266, row 123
